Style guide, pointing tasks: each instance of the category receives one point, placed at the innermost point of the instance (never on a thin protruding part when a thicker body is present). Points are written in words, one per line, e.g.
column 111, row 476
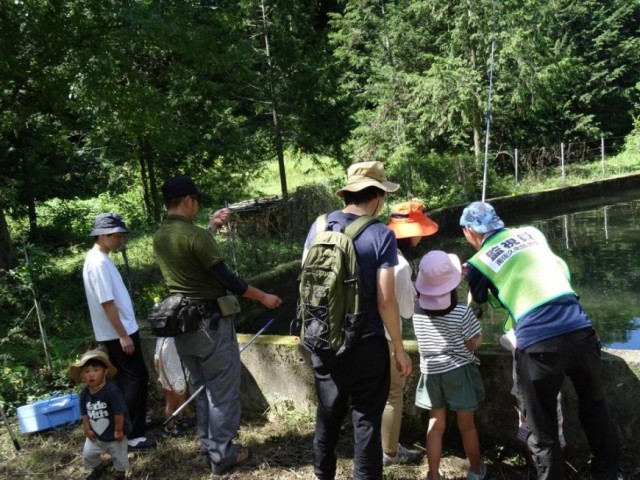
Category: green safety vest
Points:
column 523, row 268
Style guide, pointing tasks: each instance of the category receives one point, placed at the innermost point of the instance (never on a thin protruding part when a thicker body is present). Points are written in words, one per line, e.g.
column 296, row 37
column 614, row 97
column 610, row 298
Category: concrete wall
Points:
column 277, row 372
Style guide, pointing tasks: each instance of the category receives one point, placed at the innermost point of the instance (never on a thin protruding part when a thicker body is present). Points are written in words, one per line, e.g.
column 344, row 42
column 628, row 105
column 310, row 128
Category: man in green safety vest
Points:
column 515, row 267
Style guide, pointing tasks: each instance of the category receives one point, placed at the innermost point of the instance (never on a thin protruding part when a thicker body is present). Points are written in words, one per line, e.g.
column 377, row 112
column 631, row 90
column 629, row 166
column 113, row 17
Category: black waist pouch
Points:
column 165, row 317
column 176, row 315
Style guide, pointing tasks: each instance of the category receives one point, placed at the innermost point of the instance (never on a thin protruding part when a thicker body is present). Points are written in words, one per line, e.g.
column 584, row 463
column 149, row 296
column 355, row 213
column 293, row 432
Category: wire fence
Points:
column 538, row 161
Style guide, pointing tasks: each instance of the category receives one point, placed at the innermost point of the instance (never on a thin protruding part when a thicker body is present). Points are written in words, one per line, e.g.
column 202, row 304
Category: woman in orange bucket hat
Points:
column 410, row 223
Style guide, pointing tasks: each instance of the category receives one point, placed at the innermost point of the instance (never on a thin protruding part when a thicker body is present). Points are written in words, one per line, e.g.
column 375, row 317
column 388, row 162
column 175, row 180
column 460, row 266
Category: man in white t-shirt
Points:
column 114, row 322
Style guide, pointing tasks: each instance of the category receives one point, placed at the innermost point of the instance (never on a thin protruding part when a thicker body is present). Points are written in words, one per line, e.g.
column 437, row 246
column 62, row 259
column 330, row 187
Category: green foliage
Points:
column 20, row 385
column 302, row 170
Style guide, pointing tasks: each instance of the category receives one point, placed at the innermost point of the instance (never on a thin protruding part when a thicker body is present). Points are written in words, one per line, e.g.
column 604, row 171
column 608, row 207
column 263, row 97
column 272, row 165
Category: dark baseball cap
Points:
column 108, row 223
column 181, row 186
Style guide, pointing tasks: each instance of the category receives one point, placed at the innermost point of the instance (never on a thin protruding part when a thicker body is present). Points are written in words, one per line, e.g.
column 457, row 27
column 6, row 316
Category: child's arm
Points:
column 474, row 342
column 90, row 434
column 119, row 421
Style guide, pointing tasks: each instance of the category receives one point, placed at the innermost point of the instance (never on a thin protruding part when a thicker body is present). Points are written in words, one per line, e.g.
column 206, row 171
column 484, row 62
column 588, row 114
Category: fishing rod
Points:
column 202, row 387
column 231, row 240
column 11, row 434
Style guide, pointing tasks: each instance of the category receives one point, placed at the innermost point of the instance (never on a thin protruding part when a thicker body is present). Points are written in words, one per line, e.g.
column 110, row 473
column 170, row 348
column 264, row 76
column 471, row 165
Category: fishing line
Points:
column 486, row 141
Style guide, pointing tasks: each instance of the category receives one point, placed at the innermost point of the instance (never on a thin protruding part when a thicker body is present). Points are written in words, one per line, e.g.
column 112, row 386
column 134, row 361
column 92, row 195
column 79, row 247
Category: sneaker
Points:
column 440, row 477
column 150, row 422
column 478, row 476
column 176, row 431
column 141, row 443
column 97, row 472
column 187, row 422
column 244, row 454
column 403, row 456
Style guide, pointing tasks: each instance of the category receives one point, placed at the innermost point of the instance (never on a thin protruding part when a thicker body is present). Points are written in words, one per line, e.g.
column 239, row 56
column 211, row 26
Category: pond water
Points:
column 601, row 245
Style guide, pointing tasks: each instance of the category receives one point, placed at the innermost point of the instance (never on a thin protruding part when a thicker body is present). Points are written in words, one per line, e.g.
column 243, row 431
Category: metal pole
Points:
column 516, row 166
column 602, row 153
column 201, row 388
column 39, row 312
column 486, row 140
column 562, row 159
column 11, row 434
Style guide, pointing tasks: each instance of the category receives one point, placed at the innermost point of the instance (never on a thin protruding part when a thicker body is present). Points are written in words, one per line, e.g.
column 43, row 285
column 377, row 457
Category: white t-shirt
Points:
column 405, row 291
column 102, row 283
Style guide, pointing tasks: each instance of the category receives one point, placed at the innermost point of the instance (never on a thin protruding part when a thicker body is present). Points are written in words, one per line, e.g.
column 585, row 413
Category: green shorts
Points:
column 459, row 389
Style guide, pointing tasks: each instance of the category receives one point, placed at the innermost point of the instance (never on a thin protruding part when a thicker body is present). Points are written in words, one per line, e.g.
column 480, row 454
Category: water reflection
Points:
column 601, row 247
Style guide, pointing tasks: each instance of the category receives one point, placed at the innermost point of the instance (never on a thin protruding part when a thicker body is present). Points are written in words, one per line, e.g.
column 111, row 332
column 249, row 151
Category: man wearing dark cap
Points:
column 361, row 377
column 191, row 265
column 516, row 269
column 114, row 322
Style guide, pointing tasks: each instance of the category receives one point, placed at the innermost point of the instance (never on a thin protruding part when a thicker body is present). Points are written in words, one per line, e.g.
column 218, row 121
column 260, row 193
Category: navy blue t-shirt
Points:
column 375, row 248
column 101, row 408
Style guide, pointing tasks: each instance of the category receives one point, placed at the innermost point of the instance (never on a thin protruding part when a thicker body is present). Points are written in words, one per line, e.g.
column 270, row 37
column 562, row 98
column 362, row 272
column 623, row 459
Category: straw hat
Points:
column 408, row 219
column 440, row 273
column 367, row 174
column 74, row 370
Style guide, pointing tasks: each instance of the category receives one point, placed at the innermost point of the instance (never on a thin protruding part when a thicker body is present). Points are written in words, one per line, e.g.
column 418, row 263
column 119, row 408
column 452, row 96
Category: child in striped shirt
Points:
column 448, row 334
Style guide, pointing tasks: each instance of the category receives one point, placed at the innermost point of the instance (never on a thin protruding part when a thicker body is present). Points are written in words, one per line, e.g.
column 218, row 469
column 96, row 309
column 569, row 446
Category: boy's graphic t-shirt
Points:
column 101, row 408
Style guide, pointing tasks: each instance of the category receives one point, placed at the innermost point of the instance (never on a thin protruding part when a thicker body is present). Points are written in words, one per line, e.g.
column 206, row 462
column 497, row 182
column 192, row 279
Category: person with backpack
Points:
column 410, row 224
column 353, row 372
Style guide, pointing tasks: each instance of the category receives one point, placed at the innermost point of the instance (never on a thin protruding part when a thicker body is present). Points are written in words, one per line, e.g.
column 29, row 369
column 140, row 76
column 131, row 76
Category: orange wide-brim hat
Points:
column 408, row 219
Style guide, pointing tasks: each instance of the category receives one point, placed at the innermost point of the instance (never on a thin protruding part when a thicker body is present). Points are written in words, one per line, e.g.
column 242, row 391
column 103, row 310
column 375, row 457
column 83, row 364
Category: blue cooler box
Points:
column 49, row 413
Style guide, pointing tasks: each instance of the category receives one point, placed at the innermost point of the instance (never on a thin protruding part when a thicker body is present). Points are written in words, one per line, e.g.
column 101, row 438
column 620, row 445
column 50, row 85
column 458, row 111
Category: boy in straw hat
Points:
column 410, row 224
column 104, row 415
column 363, row 374
column 448, row 334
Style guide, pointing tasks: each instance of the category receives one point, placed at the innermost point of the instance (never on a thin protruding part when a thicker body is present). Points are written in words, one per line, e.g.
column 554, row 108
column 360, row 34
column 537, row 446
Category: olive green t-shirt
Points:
column 185, row 254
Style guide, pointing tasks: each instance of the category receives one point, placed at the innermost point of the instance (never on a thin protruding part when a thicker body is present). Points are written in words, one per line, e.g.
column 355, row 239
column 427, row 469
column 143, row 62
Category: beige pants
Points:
column 392, row 415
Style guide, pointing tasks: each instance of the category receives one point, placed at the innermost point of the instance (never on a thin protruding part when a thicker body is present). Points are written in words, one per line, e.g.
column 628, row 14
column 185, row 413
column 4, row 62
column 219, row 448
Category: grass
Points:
column 578, row 173
column 301, row 170
column 281, row 441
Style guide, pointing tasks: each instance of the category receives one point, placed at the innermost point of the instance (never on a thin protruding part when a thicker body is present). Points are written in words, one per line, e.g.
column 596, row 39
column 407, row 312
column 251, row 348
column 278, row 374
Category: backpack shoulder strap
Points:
column 356, row 227
column 321, row 223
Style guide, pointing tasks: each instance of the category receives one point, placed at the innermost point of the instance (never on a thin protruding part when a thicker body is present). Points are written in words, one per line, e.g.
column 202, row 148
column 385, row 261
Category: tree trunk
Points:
column 8, row 256
column 274, row 107
column 153, row 190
